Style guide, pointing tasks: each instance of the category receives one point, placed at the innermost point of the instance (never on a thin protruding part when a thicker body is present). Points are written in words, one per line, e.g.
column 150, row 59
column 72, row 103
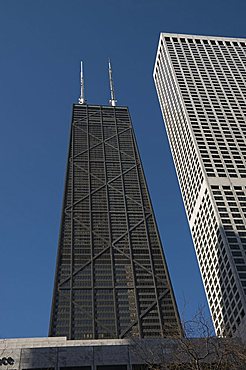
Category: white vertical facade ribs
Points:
column 201, row 86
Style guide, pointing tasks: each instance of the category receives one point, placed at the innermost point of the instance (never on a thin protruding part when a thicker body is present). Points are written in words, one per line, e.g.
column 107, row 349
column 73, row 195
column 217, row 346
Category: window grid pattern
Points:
column 184, row 154
column 216, row 265
column 212, row 81
column 207, row 80
column 111, row 277
column 231, row 203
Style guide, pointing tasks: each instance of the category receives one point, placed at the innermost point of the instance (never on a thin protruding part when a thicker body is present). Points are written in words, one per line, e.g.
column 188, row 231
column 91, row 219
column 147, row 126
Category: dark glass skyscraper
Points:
column 111, row 276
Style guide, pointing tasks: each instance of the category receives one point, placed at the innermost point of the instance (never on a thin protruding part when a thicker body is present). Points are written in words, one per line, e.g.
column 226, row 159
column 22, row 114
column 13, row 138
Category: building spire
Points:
column 112, row 101
column 82, row 86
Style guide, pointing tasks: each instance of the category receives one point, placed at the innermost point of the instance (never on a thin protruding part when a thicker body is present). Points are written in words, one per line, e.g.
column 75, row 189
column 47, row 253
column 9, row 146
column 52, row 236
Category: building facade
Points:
column 111, row 354
column 111, row 277
column 62, row 354
column 201, row 86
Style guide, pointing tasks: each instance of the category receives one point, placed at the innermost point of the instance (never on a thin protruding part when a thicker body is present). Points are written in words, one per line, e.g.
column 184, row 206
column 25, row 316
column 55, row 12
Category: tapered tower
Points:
column 111, row 276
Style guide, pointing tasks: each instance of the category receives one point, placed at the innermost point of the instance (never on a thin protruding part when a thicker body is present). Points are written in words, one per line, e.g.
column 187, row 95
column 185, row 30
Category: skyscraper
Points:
column 201, row 85
column 111, row 276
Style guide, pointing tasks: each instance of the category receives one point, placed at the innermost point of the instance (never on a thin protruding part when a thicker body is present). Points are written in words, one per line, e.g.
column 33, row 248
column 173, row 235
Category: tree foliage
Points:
column 197, row 349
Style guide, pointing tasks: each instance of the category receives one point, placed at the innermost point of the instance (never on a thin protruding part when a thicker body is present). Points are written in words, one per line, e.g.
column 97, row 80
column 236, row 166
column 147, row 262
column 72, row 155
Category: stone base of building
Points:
column 58, row 353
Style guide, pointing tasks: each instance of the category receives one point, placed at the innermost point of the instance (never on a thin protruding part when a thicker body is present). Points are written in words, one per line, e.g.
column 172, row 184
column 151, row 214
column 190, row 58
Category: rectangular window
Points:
column 76, row 368
column 112, row 367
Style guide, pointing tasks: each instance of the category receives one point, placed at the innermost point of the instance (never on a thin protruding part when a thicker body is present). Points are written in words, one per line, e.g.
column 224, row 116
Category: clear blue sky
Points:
column 41, row 45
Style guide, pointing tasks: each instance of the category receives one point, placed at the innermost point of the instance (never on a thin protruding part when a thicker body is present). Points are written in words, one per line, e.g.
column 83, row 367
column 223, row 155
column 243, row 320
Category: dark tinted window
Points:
column 112, row 367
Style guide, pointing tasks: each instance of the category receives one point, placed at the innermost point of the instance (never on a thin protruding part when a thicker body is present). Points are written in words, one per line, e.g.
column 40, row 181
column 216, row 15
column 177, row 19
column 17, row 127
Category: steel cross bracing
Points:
column 111, row 278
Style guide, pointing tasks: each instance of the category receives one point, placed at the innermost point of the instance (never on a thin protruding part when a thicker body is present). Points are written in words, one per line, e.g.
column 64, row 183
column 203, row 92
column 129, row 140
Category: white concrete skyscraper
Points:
column 201, row 85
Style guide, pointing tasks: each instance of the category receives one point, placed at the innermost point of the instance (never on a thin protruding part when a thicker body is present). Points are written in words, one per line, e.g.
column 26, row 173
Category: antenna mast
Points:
column 112, row 101
column 82, row 85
